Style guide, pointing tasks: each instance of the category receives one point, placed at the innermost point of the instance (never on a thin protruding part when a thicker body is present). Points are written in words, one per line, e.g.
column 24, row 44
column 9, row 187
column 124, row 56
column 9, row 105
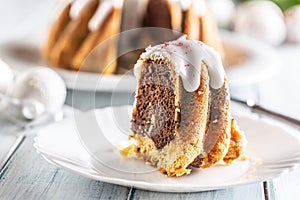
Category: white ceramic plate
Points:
column 250, row 61
column 86, row 144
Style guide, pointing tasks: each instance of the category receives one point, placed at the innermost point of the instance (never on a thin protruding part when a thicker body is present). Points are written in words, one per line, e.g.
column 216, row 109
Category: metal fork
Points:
column 250, row 103
column 288, row 162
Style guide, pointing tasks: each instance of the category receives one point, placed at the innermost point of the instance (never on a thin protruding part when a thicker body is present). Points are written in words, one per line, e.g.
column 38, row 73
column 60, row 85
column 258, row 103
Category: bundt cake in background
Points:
column 79, row 26
column 181, row 116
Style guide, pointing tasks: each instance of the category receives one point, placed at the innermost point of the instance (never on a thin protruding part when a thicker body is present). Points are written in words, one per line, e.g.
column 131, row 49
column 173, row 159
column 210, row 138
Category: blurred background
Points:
column 260, row 38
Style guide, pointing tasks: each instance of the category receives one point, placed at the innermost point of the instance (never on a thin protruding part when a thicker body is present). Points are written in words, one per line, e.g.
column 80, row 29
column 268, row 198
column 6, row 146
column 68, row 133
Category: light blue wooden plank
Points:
column 28, row 176
column 247, row 192
column 9, row 139
column 286, row 186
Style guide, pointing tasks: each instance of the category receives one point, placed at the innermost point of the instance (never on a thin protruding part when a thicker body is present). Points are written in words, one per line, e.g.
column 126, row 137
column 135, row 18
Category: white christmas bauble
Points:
column 6, row 77
column 292, row 20
column 43, row 85
column 261, row 19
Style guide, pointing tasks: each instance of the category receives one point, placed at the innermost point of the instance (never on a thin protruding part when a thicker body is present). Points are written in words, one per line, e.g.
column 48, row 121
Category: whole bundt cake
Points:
column 79, row 26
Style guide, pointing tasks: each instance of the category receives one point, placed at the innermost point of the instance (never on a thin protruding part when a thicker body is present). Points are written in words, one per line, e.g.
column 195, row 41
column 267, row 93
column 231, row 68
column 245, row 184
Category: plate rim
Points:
column 147, row 186
column 168, row 188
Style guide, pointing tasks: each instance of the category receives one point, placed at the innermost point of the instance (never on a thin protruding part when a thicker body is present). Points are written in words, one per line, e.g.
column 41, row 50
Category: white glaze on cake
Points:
column 101, row 13
column 187, row 56
column 198, row 5
column 77, row 8
column 103, row 10
column 185, row 4
column 59, row 8
column 132, row 19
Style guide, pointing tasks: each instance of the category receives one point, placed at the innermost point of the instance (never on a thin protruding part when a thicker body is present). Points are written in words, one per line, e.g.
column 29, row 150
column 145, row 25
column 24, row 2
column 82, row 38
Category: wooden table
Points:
column 27, row 176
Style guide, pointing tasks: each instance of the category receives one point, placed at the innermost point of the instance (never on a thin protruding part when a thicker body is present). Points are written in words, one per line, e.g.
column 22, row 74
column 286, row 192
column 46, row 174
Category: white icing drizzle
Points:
column 185, row 4
column 118, row 3
column 105, row 7
column 77, row 7
column 103, row 10
column 132, row 18
column 99, row 16
column 187, row 56
column 59, row 8
column 200, row 7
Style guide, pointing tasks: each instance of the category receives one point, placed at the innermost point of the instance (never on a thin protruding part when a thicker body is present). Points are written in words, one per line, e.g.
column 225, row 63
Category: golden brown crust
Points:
column 237, row 143
column 191, row 24
column 209, row 33
column 72, row 37
column 56, row 30
column 217, row 137
column 106, row 52
column 175, row 13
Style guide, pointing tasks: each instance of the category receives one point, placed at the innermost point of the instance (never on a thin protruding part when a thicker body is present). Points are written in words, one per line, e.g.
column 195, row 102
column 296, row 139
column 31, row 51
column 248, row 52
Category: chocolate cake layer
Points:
column 155, row 109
